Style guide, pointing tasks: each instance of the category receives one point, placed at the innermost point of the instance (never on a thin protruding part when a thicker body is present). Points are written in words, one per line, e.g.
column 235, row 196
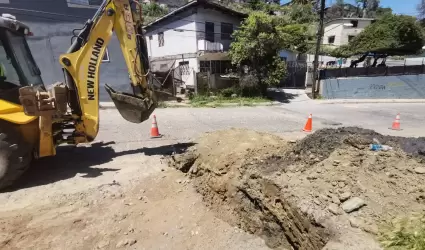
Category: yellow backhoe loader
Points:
column 34, row 120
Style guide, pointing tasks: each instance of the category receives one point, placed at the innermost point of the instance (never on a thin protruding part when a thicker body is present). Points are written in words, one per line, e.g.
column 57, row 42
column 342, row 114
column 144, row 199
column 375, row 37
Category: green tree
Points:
column 368, row 6
column 389, row 35
column 154, row 10
column 300, row 13
column 302, row 1
column 258, row 41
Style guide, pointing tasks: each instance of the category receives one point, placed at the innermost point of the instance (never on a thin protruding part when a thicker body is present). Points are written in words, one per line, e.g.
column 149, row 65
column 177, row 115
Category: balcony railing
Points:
column 213, row 43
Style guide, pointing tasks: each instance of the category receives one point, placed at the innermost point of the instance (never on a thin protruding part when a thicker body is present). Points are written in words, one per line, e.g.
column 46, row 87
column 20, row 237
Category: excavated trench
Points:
column 238, row 190
column 254, row 203
column 291, row 194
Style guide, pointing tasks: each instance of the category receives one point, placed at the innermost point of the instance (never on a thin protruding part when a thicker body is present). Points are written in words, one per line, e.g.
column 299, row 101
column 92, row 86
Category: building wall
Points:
column 188, row 74
column 216, row 17
column 336, row 28
column 52, row 36
column 179, row 38
column 181, row 41
column 52, row 40
column 385, row 87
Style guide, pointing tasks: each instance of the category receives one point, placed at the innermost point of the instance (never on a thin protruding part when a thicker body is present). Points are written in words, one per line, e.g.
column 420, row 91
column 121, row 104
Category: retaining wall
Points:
column 382, row 87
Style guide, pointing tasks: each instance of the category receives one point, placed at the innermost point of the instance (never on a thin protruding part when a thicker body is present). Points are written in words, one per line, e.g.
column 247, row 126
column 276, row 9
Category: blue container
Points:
column 375, row 147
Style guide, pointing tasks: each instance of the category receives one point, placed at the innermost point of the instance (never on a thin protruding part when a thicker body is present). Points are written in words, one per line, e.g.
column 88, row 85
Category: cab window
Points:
column 8, row 73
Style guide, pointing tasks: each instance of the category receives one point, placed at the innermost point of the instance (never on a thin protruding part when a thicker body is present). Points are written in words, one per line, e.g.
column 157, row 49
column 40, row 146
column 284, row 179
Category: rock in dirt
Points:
column 126, row 242
column 353, row 204
column 354, row 222
column 344, row 196
column 373, row 229
column 102, row 244
column 420, row 170
column 334, row 208
column 335, row 199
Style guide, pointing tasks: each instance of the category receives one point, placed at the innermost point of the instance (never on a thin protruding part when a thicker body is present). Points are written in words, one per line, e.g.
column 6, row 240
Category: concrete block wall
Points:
column 385, row 87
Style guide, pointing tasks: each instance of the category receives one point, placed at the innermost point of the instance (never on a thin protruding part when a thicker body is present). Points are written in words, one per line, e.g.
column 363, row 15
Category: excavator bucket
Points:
column 132, row 108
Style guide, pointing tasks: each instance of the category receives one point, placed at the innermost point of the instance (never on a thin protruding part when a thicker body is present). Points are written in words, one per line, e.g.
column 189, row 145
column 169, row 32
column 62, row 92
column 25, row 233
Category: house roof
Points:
column 194, row 4
column 350, row 18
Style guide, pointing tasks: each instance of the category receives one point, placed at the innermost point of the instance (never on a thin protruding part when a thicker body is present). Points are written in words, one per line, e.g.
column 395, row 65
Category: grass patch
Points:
column 407, row 233
column 217, row 101
column 162, row 105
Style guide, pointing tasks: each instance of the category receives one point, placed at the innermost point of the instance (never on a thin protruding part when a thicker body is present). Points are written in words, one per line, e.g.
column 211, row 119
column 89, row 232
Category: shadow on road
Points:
column 71, row 160
column 280, row 95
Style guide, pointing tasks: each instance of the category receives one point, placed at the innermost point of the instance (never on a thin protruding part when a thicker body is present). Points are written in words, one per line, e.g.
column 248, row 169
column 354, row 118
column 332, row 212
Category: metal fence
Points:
column 374, row 71
column 296, row 75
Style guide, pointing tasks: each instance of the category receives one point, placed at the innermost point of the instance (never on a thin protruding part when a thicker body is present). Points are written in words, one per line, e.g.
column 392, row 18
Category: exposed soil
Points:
column 326, row 191
column 161, row 212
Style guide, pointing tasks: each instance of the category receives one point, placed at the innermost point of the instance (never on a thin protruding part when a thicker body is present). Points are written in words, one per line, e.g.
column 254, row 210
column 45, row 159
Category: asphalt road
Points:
column 183, row 124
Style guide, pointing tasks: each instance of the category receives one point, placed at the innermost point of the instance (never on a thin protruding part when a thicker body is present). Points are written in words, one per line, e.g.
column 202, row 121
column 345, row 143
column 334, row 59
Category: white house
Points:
column 340, row 31
column 193, row 38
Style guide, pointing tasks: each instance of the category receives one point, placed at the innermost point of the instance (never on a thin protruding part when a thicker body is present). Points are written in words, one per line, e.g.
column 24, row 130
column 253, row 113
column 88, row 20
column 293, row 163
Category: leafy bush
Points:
column 405, row 234
column 228, row 92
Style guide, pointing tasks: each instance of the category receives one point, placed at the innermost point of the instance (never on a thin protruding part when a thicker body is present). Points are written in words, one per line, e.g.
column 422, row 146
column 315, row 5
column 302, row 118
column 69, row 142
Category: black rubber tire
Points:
column 15, row 154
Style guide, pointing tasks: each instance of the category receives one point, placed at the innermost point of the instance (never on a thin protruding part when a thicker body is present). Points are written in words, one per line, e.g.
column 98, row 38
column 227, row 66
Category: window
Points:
column 95, row 2
column 331, row 39
column 226, row 31
column 209, row 31
column 163, row 67
column 350, row 37
column 204, row 66
column 25, row 60
column 184, row 68
column 355, row 23
column 8, row 73
column 217, row 67
column 160, row 39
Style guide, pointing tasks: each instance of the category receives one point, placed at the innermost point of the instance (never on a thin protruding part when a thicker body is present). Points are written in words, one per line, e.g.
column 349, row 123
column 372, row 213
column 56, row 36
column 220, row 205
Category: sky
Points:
column 407, row 7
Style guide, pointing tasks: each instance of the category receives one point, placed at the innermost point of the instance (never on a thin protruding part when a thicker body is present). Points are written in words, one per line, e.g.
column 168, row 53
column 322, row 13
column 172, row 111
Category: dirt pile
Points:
column 326, row 191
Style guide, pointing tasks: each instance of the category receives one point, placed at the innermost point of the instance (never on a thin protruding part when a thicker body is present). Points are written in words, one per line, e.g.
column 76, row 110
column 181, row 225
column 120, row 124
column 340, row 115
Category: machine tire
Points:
column 15, row 154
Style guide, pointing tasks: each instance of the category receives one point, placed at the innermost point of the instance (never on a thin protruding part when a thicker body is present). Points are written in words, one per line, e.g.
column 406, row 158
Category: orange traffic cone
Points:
column 396, row 123
column 309, row 124
column 154, row 128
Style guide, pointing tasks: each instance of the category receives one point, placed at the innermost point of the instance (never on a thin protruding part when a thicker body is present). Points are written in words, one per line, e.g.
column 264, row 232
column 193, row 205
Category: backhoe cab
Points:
column 34, row 120
column 18, row 132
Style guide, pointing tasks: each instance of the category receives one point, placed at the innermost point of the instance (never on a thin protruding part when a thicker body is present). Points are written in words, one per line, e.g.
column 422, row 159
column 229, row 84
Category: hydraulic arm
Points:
column 73, row 106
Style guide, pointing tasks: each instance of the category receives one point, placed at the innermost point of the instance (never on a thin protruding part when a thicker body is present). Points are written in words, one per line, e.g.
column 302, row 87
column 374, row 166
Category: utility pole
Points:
column 318, row 42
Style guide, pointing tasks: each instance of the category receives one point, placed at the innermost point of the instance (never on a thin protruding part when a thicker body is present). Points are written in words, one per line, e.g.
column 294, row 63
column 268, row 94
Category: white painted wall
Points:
column 190, row 78
column 175, row 42
column 185, row 40
column 190, row 39
column 336, row 28
column 217, row 18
